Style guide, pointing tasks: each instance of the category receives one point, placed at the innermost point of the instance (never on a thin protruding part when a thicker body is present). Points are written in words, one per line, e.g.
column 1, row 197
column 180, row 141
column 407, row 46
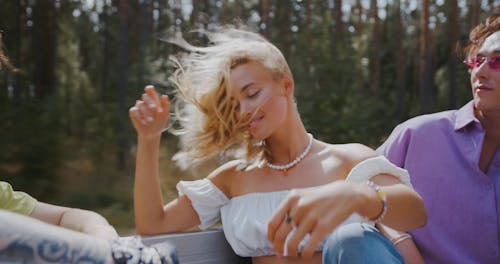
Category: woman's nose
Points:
column 245, row 110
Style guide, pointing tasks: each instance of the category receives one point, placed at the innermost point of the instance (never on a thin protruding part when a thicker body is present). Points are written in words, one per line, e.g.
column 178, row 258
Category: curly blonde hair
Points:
column 205, row 114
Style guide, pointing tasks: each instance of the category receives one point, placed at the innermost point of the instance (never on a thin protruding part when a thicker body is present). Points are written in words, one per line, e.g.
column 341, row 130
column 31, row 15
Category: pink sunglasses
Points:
column 474, row 62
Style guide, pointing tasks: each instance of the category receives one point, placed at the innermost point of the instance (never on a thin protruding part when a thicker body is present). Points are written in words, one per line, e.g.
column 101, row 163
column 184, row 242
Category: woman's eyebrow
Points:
column 245, row 87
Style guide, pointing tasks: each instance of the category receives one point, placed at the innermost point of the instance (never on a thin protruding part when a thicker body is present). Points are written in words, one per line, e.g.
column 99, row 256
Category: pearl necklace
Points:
column 294, row 162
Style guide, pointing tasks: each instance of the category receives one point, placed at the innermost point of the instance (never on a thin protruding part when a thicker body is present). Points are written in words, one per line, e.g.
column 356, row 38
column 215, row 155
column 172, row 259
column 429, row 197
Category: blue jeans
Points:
column 359, row 243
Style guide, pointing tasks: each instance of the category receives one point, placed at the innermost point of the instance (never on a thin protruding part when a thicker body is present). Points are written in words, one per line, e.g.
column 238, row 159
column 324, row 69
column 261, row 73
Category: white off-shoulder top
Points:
column 245, row 217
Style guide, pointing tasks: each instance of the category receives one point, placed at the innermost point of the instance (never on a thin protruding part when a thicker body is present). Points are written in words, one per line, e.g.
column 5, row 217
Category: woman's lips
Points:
column 255, row 122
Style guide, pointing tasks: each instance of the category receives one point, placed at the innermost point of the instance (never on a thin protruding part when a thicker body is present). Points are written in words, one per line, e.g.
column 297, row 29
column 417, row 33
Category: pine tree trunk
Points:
column 264, row 14
column 474, row 13
column 375, row 54
column 19, row 85
column 359, row 26
column 424, row 73
column 122, row 81
column 105, row 57
column 337, row 16
column 45, row 26
column 400, row 62
column 452, row 60
column 307, row 26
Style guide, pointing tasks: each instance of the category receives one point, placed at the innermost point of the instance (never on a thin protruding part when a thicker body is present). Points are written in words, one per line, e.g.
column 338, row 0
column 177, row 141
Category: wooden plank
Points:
column 210, row 247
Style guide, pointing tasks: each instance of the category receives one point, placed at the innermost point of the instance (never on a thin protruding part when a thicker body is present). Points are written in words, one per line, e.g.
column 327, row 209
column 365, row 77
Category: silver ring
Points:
column 288, row 219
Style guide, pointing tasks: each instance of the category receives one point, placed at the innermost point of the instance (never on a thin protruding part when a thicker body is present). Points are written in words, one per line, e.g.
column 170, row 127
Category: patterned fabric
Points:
column 131, row 250
column 27, row 240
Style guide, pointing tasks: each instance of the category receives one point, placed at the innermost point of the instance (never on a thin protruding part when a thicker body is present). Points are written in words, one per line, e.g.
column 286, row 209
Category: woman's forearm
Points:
column 148, row 202
column 405, row 208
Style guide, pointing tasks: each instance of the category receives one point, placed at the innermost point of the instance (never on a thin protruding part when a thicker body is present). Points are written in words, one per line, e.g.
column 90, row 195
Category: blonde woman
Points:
column 237, row 96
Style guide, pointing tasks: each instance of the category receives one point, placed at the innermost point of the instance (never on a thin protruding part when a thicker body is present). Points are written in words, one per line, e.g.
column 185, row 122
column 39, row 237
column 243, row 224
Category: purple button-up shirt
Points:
column 441, row 152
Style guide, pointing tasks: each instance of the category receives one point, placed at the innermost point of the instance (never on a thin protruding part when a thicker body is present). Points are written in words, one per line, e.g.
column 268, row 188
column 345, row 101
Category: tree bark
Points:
column 474, row 13
column 400, row 62
column 425, row 72
column 264, row 14
column 122, row 81
column 359, row 25
column 452, row 60
column 19, row 85
column 307, row 26
column 45, row 23
column 375, row 54
column 105, row 57
column 337, row 16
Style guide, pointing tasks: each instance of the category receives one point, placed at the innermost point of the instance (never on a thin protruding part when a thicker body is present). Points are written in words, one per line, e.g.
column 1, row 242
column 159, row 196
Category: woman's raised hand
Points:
column 150, row 114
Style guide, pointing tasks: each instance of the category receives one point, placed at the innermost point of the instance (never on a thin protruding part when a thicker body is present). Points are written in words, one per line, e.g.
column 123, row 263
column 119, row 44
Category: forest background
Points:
column 75, row 67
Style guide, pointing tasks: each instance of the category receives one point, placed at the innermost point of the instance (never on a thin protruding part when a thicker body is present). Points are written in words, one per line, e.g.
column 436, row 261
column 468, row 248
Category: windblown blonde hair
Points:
column 205, row 114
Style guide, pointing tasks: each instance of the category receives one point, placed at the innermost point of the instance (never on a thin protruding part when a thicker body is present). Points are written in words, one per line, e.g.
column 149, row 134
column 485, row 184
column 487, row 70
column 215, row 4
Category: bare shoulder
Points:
column 225, row 174
column 351, row 153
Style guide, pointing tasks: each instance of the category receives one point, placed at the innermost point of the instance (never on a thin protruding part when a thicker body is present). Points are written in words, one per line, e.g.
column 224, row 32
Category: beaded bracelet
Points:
column 381, row 195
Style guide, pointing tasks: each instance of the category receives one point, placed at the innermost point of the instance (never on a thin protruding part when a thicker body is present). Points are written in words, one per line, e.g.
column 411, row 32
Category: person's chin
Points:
column 486, row 104
column 258, row 134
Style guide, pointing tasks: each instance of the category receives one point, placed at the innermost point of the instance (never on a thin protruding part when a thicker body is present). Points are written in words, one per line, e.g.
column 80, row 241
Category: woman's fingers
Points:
column 280, row 236
column 150, row 103
column 145, row 112
column 325, row 224
column 278, row 218
column 158, row 100
column 135, row 116
column 318, row 233
column 302, row 229
column 150, row 114
column 150, row 91
column 165, row 102
column 311, row 213
column 155, row 102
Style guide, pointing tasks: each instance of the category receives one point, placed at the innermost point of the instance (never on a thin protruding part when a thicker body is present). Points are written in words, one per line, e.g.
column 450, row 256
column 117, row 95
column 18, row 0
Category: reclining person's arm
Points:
column 27, row 240
column 80, row 220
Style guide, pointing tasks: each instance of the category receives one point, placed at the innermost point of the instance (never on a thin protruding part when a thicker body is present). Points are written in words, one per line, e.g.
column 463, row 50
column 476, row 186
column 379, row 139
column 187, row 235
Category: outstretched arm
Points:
column 149, row 117
column 80, row 220
column 24, row 239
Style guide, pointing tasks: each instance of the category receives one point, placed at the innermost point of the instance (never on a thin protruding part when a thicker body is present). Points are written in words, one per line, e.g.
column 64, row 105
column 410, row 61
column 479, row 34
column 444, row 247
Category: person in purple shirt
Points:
column 454, row 164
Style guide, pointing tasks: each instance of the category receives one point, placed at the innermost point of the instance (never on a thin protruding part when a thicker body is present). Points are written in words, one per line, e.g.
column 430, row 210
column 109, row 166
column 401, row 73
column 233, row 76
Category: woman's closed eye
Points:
column 252, row 94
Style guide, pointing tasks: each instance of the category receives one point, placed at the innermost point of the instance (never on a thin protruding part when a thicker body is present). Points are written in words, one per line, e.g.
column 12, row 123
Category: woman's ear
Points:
column 288, row 85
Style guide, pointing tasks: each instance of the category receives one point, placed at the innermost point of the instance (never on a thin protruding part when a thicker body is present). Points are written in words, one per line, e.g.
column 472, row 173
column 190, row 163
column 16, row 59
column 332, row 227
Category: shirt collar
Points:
column 465, row 116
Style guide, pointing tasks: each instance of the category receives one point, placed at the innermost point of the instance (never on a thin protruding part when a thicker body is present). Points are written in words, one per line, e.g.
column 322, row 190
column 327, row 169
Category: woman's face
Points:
column 485, row 79
column 261, row 98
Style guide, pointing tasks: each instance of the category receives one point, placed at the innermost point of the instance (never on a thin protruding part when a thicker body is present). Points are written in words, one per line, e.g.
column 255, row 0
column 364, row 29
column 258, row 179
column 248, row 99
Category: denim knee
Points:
column 359, row 243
